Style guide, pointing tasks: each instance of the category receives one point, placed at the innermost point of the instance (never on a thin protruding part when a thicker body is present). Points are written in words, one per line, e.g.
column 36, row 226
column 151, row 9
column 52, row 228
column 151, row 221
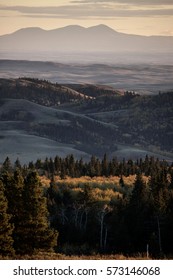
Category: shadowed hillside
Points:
column 47, row 119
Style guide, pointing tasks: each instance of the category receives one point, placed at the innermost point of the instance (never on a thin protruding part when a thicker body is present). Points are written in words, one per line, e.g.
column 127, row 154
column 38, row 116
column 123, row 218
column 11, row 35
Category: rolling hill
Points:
column 143, row 77
column 39, row 119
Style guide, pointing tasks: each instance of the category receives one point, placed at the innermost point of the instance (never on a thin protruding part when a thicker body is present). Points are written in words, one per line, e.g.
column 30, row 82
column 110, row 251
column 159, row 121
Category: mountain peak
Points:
column 29, row 30
column 79, row 27
column 102, row 28
column 73, row 27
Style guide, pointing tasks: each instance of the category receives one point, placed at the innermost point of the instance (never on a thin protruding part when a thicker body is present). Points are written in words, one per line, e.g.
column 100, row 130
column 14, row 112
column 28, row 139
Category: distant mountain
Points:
column 75, row 38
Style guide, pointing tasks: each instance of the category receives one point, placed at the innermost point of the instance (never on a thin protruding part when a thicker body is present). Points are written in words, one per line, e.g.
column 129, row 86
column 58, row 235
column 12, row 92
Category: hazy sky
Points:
column 145, row 17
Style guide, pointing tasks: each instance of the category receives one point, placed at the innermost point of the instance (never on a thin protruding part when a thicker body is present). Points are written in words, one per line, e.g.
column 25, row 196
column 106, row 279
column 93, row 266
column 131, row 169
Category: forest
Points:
column 73, row 207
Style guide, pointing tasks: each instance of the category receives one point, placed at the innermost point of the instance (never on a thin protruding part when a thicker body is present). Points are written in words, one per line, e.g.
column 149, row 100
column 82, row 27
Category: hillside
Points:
column 140, row 121
column 41, row 92
column 41, row 119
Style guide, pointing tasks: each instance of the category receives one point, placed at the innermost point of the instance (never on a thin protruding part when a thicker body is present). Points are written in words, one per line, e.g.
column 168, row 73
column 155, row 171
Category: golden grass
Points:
column 56, row 256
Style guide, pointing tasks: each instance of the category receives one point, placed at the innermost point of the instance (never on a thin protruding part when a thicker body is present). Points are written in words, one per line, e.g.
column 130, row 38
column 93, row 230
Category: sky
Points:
column 142, row 17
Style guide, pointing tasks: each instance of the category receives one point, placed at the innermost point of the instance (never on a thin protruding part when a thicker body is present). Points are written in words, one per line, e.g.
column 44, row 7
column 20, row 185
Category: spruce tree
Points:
column 13, row 184
column 6, row 228
column 138, row 214
column 34, row 225
column 139, row 196
column 159, row 186
column 7, row 166
column 17, row 164
column 105, row 165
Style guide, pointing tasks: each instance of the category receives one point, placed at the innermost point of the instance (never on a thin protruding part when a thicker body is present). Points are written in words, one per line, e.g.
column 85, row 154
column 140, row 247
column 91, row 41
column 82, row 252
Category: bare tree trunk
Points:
column 86, row 219
column 160, row 245
column 105, row 239
column 81, row 219
column 101, row 216
column 63, row 216
column 101, row 230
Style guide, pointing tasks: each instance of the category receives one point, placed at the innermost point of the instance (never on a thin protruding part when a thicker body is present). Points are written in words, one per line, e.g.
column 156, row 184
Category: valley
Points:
column 144, row 77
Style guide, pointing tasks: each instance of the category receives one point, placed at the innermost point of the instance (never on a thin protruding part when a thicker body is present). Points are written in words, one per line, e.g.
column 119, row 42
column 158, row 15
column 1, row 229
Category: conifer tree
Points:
column 159, row 186
column 57, row 164
column 121, row 182
column 6, row 228
column 16, row 205
column 17, row 164
column 105, row 165
column 92, row 170
column 138, row 214
column 140, row 193
column 34, row 225
column 6, row 166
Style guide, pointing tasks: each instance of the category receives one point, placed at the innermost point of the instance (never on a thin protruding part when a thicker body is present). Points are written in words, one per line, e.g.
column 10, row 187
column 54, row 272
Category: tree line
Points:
column 105, row 166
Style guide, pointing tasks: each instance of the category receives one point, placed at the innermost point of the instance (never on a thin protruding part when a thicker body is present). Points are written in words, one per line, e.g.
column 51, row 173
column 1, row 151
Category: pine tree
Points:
column 159, row 185
column 105, row 165
column 6, row 166
column 34, row 225
column 6, row 228
column 17, row 164
column 16, row 205
column 138, row 214
column 121, row 182
column 57, row 164
column 140, row 193
column 92, row 171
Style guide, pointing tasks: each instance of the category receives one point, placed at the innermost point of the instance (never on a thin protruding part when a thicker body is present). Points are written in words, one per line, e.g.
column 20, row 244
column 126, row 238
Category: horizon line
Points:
column 78, row 25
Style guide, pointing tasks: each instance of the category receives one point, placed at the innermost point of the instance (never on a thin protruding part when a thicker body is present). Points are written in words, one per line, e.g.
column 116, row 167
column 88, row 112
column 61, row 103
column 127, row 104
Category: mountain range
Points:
column 75, row 39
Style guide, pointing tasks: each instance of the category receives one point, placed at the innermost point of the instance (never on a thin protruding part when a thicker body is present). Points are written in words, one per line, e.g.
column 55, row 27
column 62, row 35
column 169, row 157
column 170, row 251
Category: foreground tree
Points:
column 6, row 229
column 138, row 214
column 13, row 185
column 34, row 226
